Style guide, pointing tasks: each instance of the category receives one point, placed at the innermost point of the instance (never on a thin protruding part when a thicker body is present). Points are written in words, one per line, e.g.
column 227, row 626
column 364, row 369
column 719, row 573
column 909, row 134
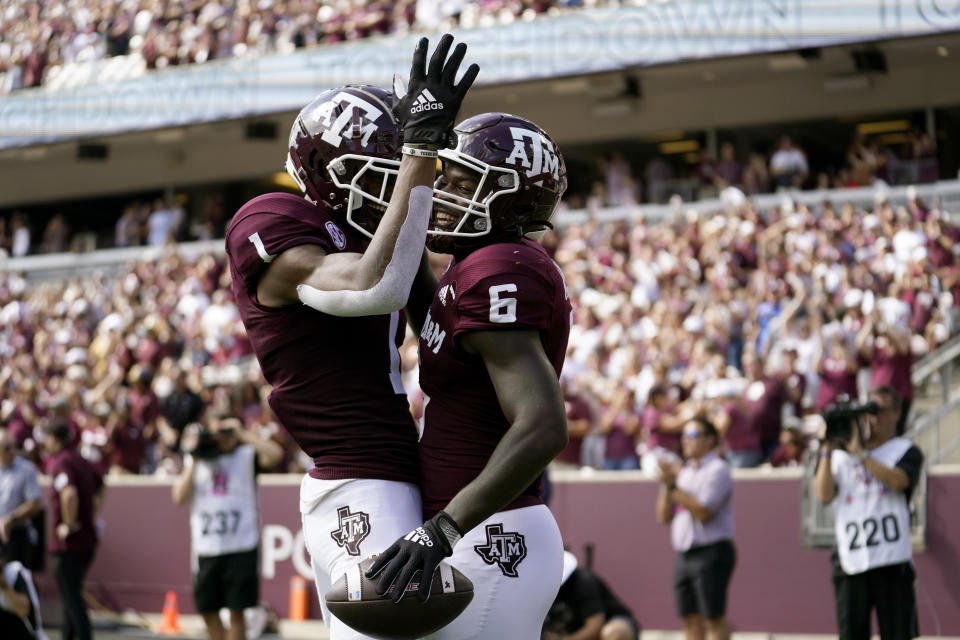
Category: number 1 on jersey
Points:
column 258, row 245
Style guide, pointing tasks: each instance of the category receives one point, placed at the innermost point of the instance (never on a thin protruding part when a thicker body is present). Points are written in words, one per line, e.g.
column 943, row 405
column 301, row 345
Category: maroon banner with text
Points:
column 778, row 586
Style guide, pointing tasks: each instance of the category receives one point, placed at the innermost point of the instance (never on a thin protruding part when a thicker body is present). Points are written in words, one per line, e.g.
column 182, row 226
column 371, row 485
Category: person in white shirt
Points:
column 161, row 225
column 788, row 164
column 219, row 481
column 870, row 483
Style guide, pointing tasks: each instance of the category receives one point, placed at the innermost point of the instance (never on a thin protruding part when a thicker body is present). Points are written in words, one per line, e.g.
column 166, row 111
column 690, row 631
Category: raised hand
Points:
column 428, row 108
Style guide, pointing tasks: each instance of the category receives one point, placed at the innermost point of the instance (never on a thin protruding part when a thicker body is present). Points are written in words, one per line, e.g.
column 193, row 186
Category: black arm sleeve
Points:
column 910, row 464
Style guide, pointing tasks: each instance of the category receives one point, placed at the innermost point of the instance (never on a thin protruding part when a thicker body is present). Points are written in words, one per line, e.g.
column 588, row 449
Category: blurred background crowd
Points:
column 37, row 39
column 756, row 318
column 608, row 180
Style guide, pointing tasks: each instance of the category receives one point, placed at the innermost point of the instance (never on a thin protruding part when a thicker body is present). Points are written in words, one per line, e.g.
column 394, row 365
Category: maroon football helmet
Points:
column 345, row 153
column 520, row 176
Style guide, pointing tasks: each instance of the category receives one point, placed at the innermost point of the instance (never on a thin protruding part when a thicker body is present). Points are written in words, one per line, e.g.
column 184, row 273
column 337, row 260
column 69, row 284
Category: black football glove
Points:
column 429, row 107
column 418, row 552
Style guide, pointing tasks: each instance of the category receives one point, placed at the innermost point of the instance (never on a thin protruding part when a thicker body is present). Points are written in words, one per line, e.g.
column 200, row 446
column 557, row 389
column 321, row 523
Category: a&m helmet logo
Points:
column 354, row 529
column 534, row 153
column 505, row 549
column 336, row 234
column 346, row 126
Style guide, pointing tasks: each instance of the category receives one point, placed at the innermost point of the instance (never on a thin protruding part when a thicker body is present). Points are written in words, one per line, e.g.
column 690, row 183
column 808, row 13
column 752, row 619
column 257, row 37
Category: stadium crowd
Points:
column 756, row 318
column 613, row 181
column 38, row 38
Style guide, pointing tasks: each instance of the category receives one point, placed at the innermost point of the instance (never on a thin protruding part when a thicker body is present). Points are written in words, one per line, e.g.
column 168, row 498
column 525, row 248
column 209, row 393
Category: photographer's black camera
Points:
column 840, row 416
column 207, row 446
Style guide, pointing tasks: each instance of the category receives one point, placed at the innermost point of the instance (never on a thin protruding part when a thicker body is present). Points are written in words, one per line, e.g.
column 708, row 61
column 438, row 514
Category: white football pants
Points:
column 346, row 521
column 515, row 561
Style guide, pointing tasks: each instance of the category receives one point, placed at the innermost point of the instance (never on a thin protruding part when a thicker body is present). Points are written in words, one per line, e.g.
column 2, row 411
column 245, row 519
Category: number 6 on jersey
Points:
column 503, row 310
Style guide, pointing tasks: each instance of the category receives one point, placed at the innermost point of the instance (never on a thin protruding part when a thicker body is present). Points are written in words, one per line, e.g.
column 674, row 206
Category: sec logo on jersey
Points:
column 336, row 234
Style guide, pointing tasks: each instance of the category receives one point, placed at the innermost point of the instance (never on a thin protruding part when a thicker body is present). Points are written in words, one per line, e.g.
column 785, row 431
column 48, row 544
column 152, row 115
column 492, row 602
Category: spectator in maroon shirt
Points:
column 620, row 424
column 763, row 401
column 661, row 429
column 144, row 411
column 795, row 382
column 886, row 349
column 790, row 451
column 739, row 432
column 127, row 446
column 76, row 493
column 579, row 424
column 727, row 170
column 838, row 373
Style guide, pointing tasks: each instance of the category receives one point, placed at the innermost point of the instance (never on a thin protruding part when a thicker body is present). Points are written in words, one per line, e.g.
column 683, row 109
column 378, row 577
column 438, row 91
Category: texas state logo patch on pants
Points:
column 354, row 529
column 506, row 549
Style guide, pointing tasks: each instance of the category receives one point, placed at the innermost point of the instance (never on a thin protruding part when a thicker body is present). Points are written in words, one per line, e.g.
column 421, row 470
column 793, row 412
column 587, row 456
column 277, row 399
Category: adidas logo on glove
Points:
column 420, row 536
column 426, row 102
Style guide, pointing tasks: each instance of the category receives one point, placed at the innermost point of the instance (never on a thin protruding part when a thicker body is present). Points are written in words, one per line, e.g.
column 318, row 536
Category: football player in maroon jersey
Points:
column 493, row 332
column 320, row 284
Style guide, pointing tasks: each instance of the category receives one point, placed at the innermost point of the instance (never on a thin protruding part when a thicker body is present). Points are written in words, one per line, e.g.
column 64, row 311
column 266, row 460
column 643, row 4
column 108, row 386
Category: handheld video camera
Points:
column 207, row 446
column 840, row 417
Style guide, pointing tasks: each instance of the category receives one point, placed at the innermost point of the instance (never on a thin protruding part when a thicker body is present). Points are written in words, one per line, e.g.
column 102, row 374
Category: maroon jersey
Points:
column 68, row 468
column 336, row 381
column 509, row 286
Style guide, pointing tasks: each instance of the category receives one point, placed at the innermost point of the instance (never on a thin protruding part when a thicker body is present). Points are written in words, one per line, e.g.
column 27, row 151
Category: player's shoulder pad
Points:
column 281, row 205
column 270, row 224
column 525, row 258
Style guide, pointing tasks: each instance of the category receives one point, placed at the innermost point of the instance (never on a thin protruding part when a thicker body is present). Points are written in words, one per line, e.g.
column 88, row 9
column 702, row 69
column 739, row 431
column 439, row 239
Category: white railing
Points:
column 66, row 265
column 946, row 192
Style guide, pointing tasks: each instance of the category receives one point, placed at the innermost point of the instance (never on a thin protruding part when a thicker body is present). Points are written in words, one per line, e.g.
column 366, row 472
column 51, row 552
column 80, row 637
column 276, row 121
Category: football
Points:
column 353, row 599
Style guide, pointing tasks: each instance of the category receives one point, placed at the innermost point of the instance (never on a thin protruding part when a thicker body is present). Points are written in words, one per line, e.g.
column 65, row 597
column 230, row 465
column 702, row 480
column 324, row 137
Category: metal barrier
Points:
column 69, row 265
column 926, row 428
column 61, row 265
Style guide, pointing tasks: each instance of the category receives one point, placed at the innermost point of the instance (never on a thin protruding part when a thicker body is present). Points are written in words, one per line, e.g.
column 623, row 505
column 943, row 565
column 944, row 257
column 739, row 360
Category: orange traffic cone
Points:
column 169, row 623
column 299, row 598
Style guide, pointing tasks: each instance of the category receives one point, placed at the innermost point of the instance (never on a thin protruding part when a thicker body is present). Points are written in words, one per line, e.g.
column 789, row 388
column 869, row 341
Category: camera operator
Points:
column 869, row 474
column 587, row 609
column 219, row 480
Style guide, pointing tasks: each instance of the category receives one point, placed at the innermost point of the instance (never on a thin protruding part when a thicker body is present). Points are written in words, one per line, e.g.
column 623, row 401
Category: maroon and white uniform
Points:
column 514, row 558
column 336, row 381
column 500, row 287
column 336, row 390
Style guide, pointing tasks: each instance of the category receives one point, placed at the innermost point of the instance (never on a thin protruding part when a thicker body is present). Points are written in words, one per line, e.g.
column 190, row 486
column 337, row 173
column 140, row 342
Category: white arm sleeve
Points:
column 393, row 289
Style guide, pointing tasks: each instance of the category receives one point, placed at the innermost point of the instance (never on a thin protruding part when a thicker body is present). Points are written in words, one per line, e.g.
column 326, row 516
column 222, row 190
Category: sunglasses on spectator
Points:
column 692, row 433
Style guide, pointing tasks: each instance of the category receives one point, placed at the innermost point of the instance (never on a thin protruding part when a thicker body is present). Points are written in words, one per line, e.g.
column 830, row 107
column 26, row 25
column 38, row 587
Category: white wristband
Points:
column 419, row 153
